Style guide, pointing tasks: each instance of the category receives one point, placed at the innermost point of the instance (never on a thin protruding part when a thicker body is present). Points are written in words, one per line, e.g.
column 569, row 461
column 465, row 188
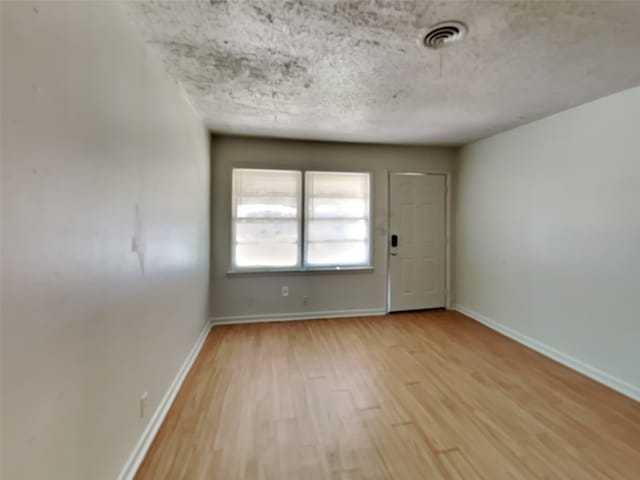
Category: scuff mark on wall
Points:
column 137, row 241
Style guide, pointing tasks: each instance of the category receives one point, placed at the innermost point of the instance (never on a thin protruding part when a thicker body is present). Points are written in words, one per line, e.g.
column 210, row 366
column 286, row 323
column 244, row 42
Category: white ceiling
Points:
column 355, row 70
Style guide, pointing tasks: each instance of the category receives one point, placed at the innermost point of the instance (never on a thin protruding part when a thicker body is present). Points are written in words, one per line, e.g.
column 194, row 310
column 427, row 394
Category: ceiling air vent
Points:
column 444, row 34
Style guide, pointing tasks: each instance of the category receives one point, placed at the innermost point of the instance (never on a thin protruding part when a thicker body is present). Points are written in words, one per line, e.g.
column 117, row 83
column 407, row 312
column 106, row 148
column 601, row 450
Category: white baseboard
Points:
column 284, row 317
column 594, row 373
column 140, row 450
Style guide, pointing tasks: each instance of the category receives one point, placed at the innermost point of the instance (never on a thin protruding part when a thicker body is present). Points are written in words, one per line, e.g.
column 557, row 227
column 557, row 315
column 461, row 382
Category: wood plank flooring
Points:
column 430, row 395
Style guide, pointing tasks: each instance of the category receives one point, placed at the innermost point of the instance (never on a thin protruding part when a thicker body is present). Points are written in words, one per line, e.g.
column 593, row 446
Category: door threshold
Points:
column 444, row 309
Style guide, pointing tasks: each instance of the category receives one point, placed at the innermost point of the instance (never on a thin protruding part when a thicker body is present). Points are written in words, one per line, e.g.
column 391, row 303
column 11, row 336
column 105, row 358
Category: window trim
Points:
column 302, row 268
column 290, row 271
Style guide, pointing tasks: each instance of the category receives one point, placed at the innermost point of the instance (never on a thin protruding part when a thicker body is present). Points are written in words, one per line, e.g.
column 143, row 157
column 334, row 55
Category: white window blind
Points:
column 266, row 217
column 337, row 224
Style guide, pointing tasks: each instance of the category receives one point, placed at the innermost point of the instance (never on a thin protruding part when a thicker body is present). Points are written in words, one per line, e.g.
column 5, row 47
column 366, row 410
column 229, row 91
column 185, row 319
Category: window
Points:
column 337, row 219
column 266, row 218
column 269, row 212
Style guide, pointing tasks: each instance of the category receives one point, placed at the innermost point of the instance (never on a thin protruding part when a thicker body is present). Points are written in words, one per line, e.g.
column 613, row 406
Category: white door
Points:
column 417, row 275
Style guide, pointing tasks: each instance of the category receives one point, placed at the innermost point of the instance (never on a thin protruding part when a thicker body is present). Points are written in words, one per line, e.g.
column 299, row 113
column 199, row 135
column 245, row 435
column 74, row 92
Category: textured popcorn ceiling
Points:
column 355, row 70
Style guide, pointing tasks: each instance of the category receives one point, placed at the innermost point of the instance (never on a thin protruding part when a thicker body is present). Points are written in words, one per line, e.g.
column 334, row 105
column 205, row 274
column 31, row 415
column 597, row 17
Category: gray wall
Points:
column 93, row 131
column 548, row 234
column 248, row 295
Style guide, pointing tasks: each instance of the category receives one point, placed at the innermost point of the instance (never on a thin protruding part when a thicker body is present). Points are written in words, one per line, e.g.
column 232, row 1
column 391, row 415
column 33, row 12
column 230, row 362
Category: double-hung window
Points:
column 294, row 220
column 266, row 218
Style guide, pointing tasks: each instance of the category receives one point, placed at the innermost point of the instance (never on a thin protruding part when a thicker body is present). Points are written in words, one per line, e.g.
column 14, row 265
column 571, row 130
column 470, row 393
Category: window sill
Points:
column 299, row 271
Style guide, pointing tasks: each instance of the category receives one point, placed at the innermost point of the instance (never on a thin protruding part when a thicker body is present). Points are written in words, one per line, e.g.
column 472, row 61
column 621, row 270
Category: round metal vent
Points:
column 444, row 34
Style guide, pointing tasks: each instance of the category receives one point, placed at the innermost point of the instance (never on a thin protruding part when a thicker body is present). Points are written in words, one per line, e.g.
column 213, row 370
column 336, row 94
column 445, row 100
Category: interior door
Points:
column 417, row 243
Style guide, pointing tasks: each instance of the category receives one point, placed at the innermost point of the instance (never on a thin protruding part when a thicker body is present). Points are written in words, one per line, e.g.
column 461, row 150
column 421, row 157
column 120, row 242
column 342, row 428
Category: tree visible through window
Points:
column 267, row 219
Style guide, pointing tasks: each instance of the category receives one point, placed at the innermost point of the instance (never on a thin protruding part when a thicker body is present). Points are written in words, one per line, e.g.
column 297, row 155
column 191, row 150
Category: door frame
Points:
column 447, row 216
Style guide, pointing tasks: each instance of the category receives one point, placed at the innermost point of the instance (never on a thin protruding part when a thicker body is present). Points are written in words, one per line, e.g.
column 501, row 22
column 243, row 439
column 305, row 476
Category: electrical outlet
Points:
column 305, row 300
column 285, row 291
column 143, row 403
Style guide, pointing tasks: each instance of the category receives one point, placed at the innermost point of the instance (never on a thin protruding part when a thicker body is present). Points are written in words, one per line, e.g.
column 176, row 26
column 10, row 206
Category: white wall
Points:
column 248, row 295
column 93, row 129
column 548, row 234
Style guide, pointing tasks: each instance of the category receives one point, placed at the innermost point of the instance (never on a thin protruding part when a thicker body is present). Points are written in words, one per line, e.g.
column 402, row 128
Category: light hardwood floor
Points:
column 408, row 396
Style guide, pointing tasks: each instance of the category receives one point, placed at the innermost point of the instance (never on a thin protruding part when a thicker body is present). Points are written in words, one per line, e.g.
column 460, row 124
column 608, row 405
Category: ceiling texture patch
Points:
column 358, row 70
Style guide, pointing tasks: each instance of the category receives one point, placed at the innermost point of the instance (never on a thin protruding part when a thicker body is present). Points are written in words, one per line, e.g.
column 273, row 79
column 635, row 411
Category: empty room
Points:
column 320, row 239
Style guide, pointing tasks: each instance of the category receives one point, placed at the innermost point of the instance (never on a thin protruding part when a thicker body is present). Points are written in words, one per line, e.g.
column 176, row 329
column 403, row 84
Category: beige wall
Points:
column 548, row 234
column 93, row 130
column 249, row 295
